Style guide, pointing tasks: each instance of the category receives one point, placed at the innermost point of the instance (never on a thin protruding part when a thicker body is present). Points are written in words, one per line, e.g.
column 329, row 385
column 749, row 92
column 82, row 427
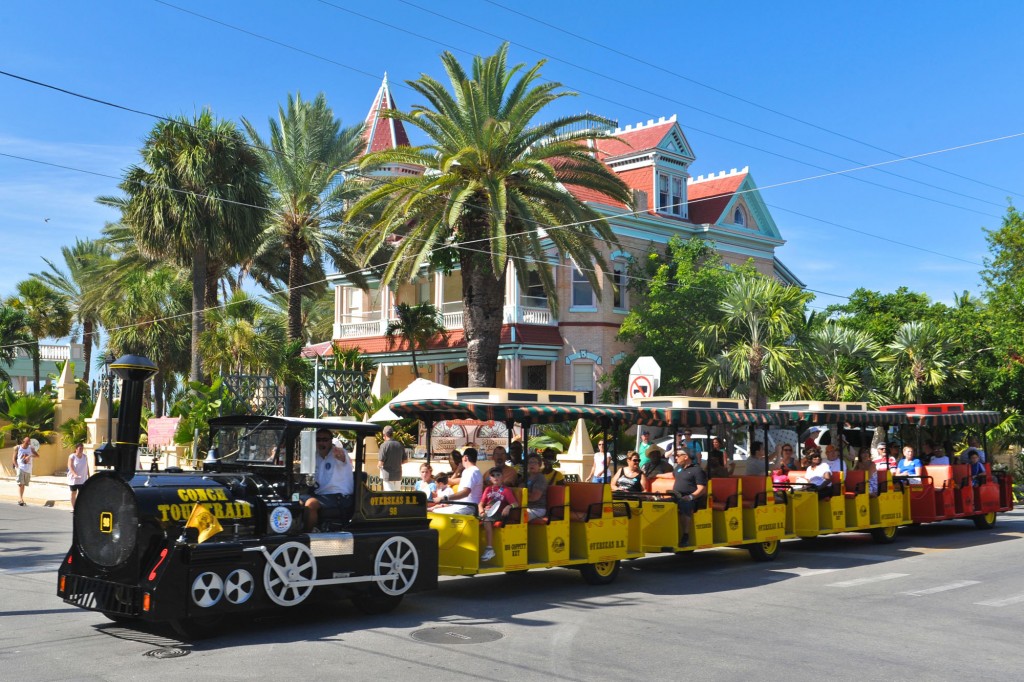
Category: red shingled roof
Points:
column 382, row 133
column 635, row 140
column 708, row 198
column 530, row 334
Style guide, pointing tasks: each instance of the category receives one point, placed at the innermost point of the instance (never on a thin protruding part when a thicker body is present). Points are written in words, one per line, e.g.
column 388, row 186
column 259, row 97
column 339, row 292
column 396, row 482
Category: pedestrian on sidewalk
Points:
column 23, row 456
column 78, row 471
column 391, row 456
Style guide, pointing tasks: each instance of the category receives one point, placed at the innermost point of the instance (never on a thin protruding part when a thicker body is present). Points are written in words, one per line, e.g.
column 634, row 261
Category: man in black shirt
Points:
column 691, row 484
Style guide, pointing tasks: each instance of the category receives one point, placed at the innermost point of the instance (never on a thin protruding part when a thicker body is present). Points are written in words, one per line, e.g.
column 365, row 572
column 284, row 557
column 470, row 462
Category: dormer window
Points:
column 739, row 218
column 671, row 199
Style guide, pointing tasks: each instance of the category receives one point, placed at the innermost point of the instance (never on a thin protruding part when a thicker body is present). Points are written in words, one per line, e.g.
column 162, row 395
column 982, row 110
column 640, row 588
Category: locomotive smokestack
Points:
column 133, row 370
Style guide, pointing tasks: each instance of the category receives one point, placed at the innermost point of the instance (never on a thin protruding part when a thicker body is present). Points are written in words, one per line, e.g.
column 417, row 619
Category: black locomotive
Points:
column 189, row 548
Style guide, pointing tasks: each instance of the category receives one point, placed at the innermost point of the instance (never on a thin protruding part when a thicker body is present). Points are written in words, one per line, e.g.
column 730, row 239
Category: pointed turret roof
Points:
column 379, row 132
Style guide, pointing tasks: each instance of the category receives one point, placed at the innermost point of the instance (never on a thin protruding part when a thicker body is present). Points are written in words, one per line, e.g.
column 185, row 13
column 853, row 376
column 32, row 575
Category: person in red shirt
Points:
column 496, row 504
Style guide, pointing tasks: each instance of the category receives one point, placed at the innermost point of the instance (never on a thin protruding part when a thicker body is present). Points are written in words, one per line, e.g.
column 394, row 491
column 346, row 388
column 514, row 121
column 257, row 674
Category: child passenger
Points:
column 442, row 491
column 426, row 483
column 495, row 505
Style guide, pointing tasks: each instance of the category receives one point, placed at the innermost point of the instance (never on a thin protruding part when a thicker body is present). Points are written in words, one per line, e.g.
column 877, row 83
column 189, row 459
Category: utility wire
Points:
column 660, row 96
column 596, row 96
column 736, row 97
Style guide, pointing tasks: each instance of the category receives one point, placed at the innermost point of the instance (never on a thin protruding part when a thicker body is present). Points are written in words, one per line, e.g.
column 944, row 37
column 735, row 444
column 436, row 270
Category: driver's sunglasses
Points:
column 323, row 440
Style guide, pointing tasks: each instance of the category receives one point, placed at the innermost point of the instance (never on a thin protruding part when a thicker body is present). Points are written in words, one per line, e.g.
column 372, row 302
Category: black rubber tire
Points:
column 984, row 521
column 884, row 535
column 764, row 551
column 601, row 573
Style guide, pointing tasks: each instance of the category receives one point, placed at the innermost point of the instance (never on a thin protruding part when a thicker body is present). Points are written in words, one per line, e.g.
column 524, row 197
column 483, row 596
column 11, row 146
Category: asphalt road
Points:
column 943, row 602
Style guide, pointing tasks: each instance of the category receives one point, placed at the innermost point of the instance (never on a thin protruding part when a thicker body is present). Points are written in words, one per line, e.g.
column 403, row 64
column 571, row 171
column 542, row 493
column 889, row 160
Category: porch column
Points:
column 552, row 375
column 514, row 372
column 384, row 296
column 339, row 310
column 512, row 294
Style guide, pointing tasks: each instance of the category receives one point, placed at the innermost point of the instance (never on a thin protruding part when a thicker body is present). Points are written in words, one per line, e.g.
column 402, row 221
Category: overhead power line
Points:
column 738, row 98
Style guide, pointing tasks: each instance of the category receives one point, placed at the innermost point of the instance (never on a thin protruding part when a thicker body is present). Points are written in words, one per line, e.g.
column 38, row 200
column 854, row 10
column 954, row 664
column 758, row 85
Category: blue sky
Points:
column 908, row 78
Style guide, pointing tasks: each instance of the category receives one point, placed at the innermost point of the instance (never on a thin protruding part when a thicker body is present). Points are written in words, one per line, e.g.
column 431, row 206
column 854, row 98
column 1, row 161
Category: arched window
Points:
column 739, row 218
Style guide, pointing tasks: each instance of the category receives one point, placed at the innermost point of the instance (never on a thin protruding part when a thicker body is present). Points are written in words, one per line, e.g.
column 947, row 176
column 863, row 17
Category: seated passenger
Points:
column 756, row 464
column 973, row 443
column 883, row 459
column 689, row 487
column 426, row 483
column 442, row 491
column 515, row 459
column 471, row 486
column 551, row 474
column 818, row 474
column 334, row 481
column 656, row 464
column 496, row 504
column 784, row 458
column 716, row 465
column 536, row 488
column 508, row 474
column 977, row 467
column 910, row 466
column 939, row 458
column 630, row 479
column 864, row 463
column 832, row 458
column 455, row 461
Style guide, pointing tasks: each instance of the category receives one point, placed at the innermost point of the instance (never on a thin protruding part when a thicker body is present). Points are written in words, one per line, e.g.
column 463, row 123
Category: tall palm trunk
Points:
column 295, row 281
column 483, row 296
column 87, row 328
column 158, row 390
column 198, row 302
column 35, row 367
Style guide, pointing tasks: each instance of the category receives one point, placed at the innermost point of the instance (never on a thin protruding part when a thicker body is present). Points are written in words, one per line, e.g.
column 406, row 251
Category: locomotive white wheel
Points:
column 398, row 559
column 239, row 586
column 291, row 562
column 207, row 589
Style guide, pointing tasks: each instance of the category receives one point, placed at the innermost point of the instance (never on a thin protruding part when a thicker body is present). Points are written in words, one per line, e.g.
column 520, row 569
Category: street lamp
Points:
column 106, row 454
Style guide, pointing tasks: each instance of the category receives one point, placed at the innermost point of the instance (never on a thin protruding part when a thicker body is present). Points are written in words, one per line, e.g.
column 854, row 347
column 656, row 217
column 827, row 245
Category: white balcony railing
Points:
column 50, row 351
column 453, row 319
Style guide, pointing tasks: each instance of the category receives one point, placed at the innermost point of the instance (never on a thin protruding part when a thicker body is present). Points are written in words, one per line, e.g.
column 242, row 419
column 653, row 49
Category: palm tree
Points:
column 920, row 360
column 752, row 342
column 82, row 262
column 838, row 358
column 199, row 198
column 46, row 315
column 147, row 316
column 13, row 333
column 494, row 179
column 304, row 158
column 240, row 337
column 416, row 325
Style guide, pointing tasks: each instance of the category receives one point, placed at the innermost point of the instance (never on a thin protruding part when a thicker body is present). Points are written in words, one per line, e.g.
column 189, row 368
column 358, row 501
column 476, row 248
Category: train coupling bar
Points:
column 289, row 570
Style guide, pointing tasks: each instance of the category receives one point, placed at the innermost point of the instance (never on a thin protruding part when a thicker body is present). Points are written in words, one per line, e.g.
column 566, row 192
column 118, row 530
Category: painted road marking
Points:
column 942, row 588
column 28, row 569
column 925, row 550
column 1001, row 602
column 802, row 572
column 866, row 581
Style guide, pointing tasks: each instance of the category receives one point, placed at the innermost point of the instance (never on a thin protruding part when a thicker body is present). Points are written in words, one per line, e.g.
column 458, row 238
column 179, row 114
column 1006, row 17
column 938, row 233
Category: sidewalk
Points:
column 43, row 491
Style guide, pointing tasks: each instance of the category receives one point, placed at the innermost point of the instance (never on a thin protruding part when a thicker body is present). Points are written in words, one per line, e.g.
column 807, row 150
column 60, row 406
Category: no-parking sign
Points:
column 644, row 379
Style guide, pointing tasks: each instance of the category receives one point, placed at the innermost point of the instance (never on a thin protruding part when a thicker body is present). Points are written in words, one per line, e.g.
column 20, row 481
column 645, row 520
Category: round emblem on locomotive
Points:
column 280, row 519
column 734, row 523
column 558, row 545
